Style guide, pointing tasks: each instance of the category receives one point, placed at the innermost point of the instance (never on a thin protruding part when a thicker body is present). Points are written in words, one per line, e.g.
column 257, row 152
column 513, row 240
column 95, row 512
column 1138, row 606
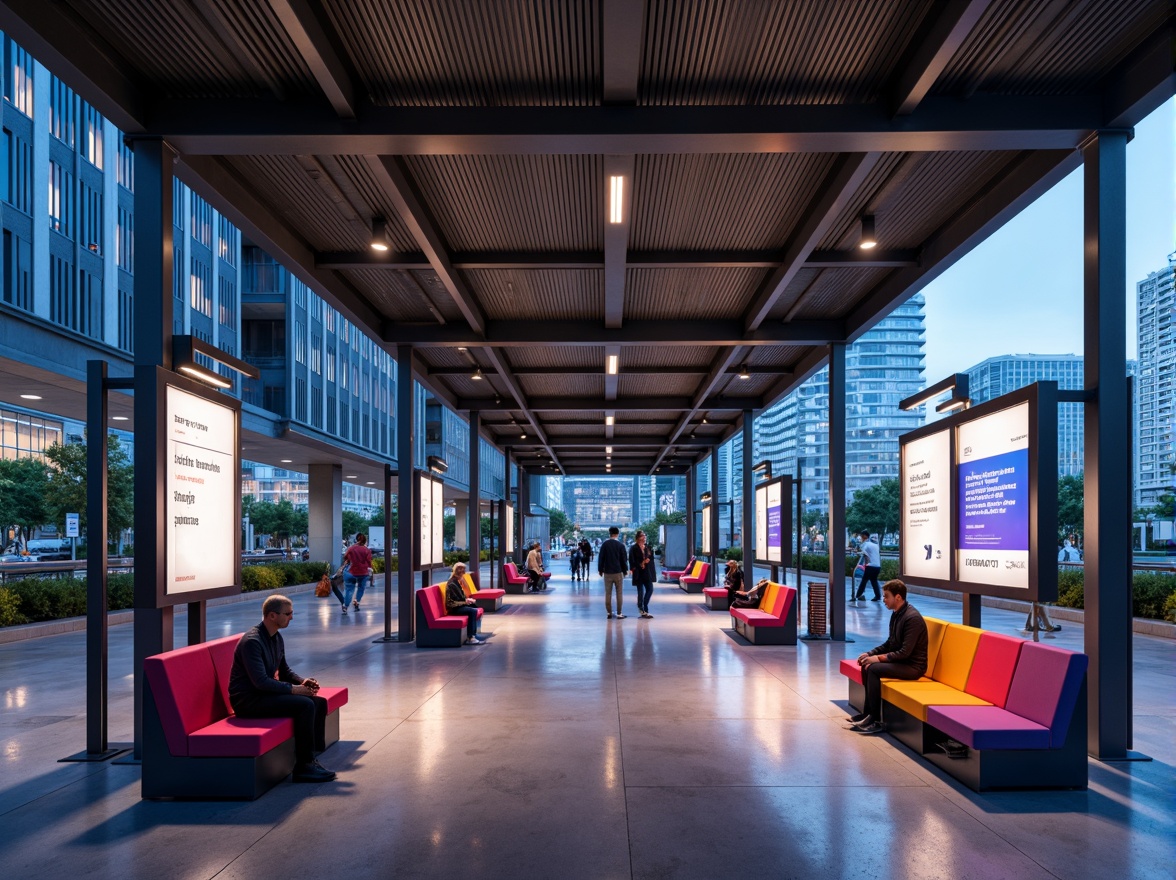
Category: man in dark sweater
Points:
column 903, row 655
column 612, row 564
column 262, row 685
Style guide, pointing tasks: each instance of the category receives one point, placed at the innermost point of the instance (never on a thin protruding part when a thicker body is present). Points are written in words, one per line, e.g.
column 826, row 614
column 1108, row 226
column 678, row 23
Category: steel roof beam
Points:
column 595, row 404
column 310, row 30
column 983, row 122
column 507, row 334
column 934, row 44
column 718, row 374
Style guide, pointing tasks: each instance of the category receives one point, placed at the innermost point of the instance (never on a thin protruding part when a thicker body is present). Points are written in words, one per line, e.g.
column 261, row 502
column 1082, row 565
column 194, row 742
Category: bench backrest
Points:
column 768, row 599
column 188, row 692
column 992, row 670
column 1045, row 687
column 695, row 568
column 781, row 598
column 956, row 654
column 689, row 566
column 935, row 630
column 700, row 571
column 467, row 584
column 512, row 572
column 432, row 601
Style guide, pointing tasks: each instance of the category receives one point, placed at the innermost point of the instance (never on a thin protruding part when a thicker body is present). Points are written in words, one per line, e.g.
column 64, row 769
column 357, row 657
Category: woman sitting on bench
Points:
column 535, row 581
column 750, row 598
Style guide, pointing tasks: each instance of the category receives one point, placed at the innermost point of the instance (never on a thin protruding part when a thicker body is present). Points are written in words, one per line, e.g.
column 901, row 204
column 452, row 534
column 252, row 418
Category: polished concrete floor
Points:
column 573, row 746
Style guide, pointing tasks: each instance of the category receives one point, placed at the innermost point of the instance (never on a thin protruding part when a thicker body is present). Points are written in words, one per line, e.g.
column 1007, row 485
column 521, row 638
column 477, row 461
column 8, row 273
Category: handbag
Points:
column 323, row 588
column 337, row 577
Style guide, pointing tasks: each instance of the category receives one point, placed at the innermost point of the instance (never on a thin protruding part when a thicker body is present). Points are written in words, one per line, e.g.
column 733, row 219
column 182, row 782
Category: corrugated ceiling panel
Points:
column 556, row 356
column 480, row 53
column 730, row 52
column 671, row 294
column 662, row 383
column 782, row 356
column 302, row 203
column 837, row 291
column 548, row 294
column 265, row 45
column 568, row 431
column 556, row 385
column 172, row 47
column 800, row 282
column 744, row 201
column 533, row 203
column 353, row 177
column 393, row 293
column 871, row 197
column 1051, row 48
column 640, row 430
column 669, row 356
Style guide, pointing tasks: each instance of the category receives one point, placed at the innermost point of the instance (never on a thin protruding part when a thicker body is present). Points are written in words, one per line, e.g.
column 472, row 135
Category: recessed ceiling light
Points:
column 351, row 477
column 616, row 198
column 30, row 397
column 118, row 418
column 371, row 482
column 287, row 461
column 610, row 420
column 608, row 449
column 613, row 364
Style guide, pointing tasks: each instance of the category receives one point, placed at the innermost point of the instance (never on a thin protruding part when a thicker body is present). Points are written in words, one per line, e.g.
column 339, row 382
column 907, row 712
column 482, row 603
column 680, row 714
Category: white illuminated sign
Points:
column 926, row 507
column 202, row 482
column 508, row 530
column 761, row 522
column 431, row 520
column 707, row 550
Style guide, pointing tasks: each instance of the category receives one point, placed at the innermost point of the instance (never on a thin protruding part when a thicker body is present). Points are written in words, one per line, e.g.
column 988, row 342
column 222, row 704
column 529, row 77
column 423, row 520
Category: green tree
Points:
column 264, row 516
column 449, row 528
column 678, row 517
column 353, row 522
column 1070, row 504
column 561, row 524
column 299, row 522
column 875, row 509
column 22, row 501
column 66, row 491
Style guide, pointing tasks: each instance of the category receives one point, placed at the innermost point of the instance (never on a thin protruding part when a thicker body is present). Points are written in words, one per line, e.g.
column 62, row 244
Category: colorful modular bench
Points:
column 435, row 627
column 193, row 744
column 697, row 578
column 673, row 575
column 514, row 580
column 488, row 599
column 994, row 711
column 773, row 622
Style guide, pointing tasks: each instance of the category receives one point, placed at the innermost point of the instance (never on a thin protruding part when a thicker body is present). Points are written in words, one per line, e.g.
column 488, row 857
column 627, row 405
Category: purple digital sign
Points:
column 774, row 536
column 994, row 502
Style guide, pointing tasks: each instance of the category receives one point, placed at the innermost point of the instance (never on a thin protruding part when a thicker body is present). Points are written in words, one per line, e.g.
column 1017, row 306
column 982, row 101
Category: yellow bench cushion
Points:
column 935, row 630
column 913, row 697
column 467, row 585
column 954, row 661
column 769, row 596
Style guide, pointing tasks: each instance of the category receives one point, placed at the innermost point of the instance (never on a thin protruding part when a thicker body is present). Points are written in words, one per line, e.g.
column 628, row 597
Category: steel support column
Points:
column 716, row 512
column 154, row 627
column 325, row 513
column 691, row 500
column 1107, row 570
column 406, row 501
column 835, row 540
column 474, row 513
column 747, row 540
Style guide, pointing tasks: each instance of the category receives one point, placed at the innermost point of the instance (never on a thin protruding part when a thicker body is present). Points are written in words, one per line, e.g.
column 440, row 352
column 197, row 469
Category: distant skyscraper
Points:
column 1155, row 385
column 1007, row 372
column 884, row 366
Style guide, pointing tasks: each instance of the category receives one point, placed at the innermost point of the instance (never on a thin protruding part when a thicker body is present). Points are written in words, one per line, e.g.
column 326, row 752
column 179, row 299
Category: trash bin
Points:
column 817, row 608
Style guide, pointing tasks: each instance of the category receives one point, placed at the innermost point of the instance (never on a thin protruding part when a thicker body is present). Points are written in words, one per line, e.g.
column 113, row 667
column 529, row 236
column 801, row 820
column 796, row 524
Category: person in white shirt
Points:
column 873, row 562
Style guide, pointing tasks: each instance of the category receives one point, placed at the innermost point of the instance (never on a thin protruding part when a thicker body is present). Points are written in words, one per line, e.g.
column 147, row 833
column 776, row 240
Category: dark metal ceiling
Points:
column 752, row 137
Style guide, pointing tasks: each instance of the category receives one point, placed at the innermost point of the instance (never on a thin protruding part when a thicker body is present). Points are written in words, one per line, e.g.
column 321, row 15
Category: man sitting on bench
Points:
column 903, row 655
column 535, row 581
column 262, row 685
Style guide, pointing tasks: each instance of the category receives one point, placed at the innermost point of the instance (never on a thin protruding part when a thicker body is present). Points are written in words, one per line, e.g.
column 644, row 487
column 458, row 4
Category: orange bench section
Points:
column 435, row 627
column 697, row 579
column 487, row 600
column 774, row 622
column 193, row 744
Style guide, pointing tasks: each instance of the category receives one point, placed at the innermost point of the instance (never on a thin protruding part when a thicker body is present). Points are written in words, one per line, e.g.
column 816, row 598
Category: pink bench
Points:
column 489, row 599
column 436, row 628
column 697, row 579
column 716, row 598
column 773, row 622
column 193, row 744
column 674, row 575
column 516, row 581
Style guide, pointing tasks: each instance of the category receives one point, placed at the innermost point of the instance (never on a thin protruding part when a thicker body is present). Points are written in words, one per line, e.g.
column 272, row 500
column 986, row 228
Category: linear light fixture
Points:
column 613, row 364
column 380, row 235
column 30, row 397
column 868, row 240
column 954, row 403
column 610, row 421
column 184, row 351
column 957, row 384
column 437, row 464
column 608, row 449
column 616, row 199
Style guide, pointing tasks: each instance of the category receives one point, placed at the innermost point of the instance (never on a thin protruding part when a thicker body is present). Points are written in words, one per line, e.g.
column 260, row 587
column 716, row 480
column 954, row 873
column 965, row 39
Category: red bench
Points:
column 436, row 628
column 193, row 744
column 716, row 598
column 697, row 579
column 773, row 622
column 487, row 600
column 674, row 575
column 516, row 581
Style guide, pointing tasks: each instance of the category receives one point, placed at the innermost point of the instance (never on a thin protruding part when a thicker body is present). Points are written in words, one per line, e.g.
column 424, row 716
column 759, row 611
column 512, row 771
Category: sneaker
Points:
column 620, row 616
column 313, row 772
column 355, row 604
column 854, row 719
column 344, row 609
column 865, row 721
column 474, row 640
column 876, row 599
column 871, row 729
column 610, row 615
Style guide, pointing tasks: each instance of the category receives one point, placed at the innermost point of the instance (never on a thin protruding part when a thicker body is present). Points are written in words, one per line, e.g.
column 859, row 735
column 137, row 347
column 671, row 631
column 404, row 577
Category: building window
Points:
column 92, row 148
column 23, row 435
column 178, row 272
column 201, row 285
column 20, row 173
column 201, row 221
column 62, row 112
column 178, row 204
column 125, row 168
column 227, row 239
column 91, row 214
column 227, row 302
column 18, row 271
column 124, row 240
column 60, row 200
column 75, row 298
column 126, row 320
column 18, row 78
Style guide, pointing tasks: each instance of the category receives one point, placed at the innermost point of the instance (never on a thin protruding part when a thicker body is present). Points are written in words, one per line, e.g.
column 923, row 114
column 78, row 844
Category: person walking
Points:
column 357, row 572
column 585, row 558
column 872, row 557
column 644, row 571
column 612, row 565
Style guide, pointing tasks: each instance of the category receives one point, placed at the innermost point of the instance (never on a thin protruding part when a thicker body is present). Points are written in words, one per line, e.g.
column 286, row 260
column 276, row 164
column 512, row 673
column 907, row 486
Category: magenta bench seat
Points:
column 716, row 598
column 673, row 575
column 694, row 583
column 435, row 627
column 515, row 580
column 193, row 744
column 773, row 622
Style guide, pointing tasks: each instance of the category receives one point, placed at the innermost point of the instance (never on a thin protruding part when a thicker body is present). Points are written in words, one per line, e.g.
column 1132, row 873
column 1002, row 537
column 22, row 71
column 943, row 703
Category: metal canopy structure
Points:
column 750, row 140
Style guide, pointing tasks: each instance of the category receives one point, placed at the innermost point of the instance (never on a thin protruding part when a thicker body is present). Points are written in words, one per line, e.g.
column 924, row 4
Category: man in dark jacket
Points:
column 903, row 655
column 262, row 685
column 612, row 564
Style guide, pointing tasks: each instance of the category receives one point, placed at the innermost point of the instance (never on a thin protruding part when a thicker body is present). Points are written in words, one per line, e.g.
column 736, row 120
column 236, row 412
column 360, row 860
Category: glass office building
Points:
column 1155, row 386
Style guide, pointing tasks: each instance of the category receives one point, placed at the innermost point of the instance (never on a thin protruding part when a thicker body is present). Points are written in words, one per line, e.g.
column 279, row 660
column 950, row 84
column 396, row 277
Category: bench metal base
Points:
column 489, row 605
column 769, row 635
column 515, row 589
column 717, row 603
column 692, row 588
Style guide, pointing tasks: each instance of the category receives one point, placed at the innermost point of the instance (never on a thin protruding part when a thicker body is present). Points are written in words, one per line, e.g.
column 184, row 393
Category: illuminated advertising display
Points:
column 775, row 524
column 761, row 522
column 202, row 493
column 508, row 530
column 926, row 507
column 992, row 491
column 430, row 521
column 705, row 544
